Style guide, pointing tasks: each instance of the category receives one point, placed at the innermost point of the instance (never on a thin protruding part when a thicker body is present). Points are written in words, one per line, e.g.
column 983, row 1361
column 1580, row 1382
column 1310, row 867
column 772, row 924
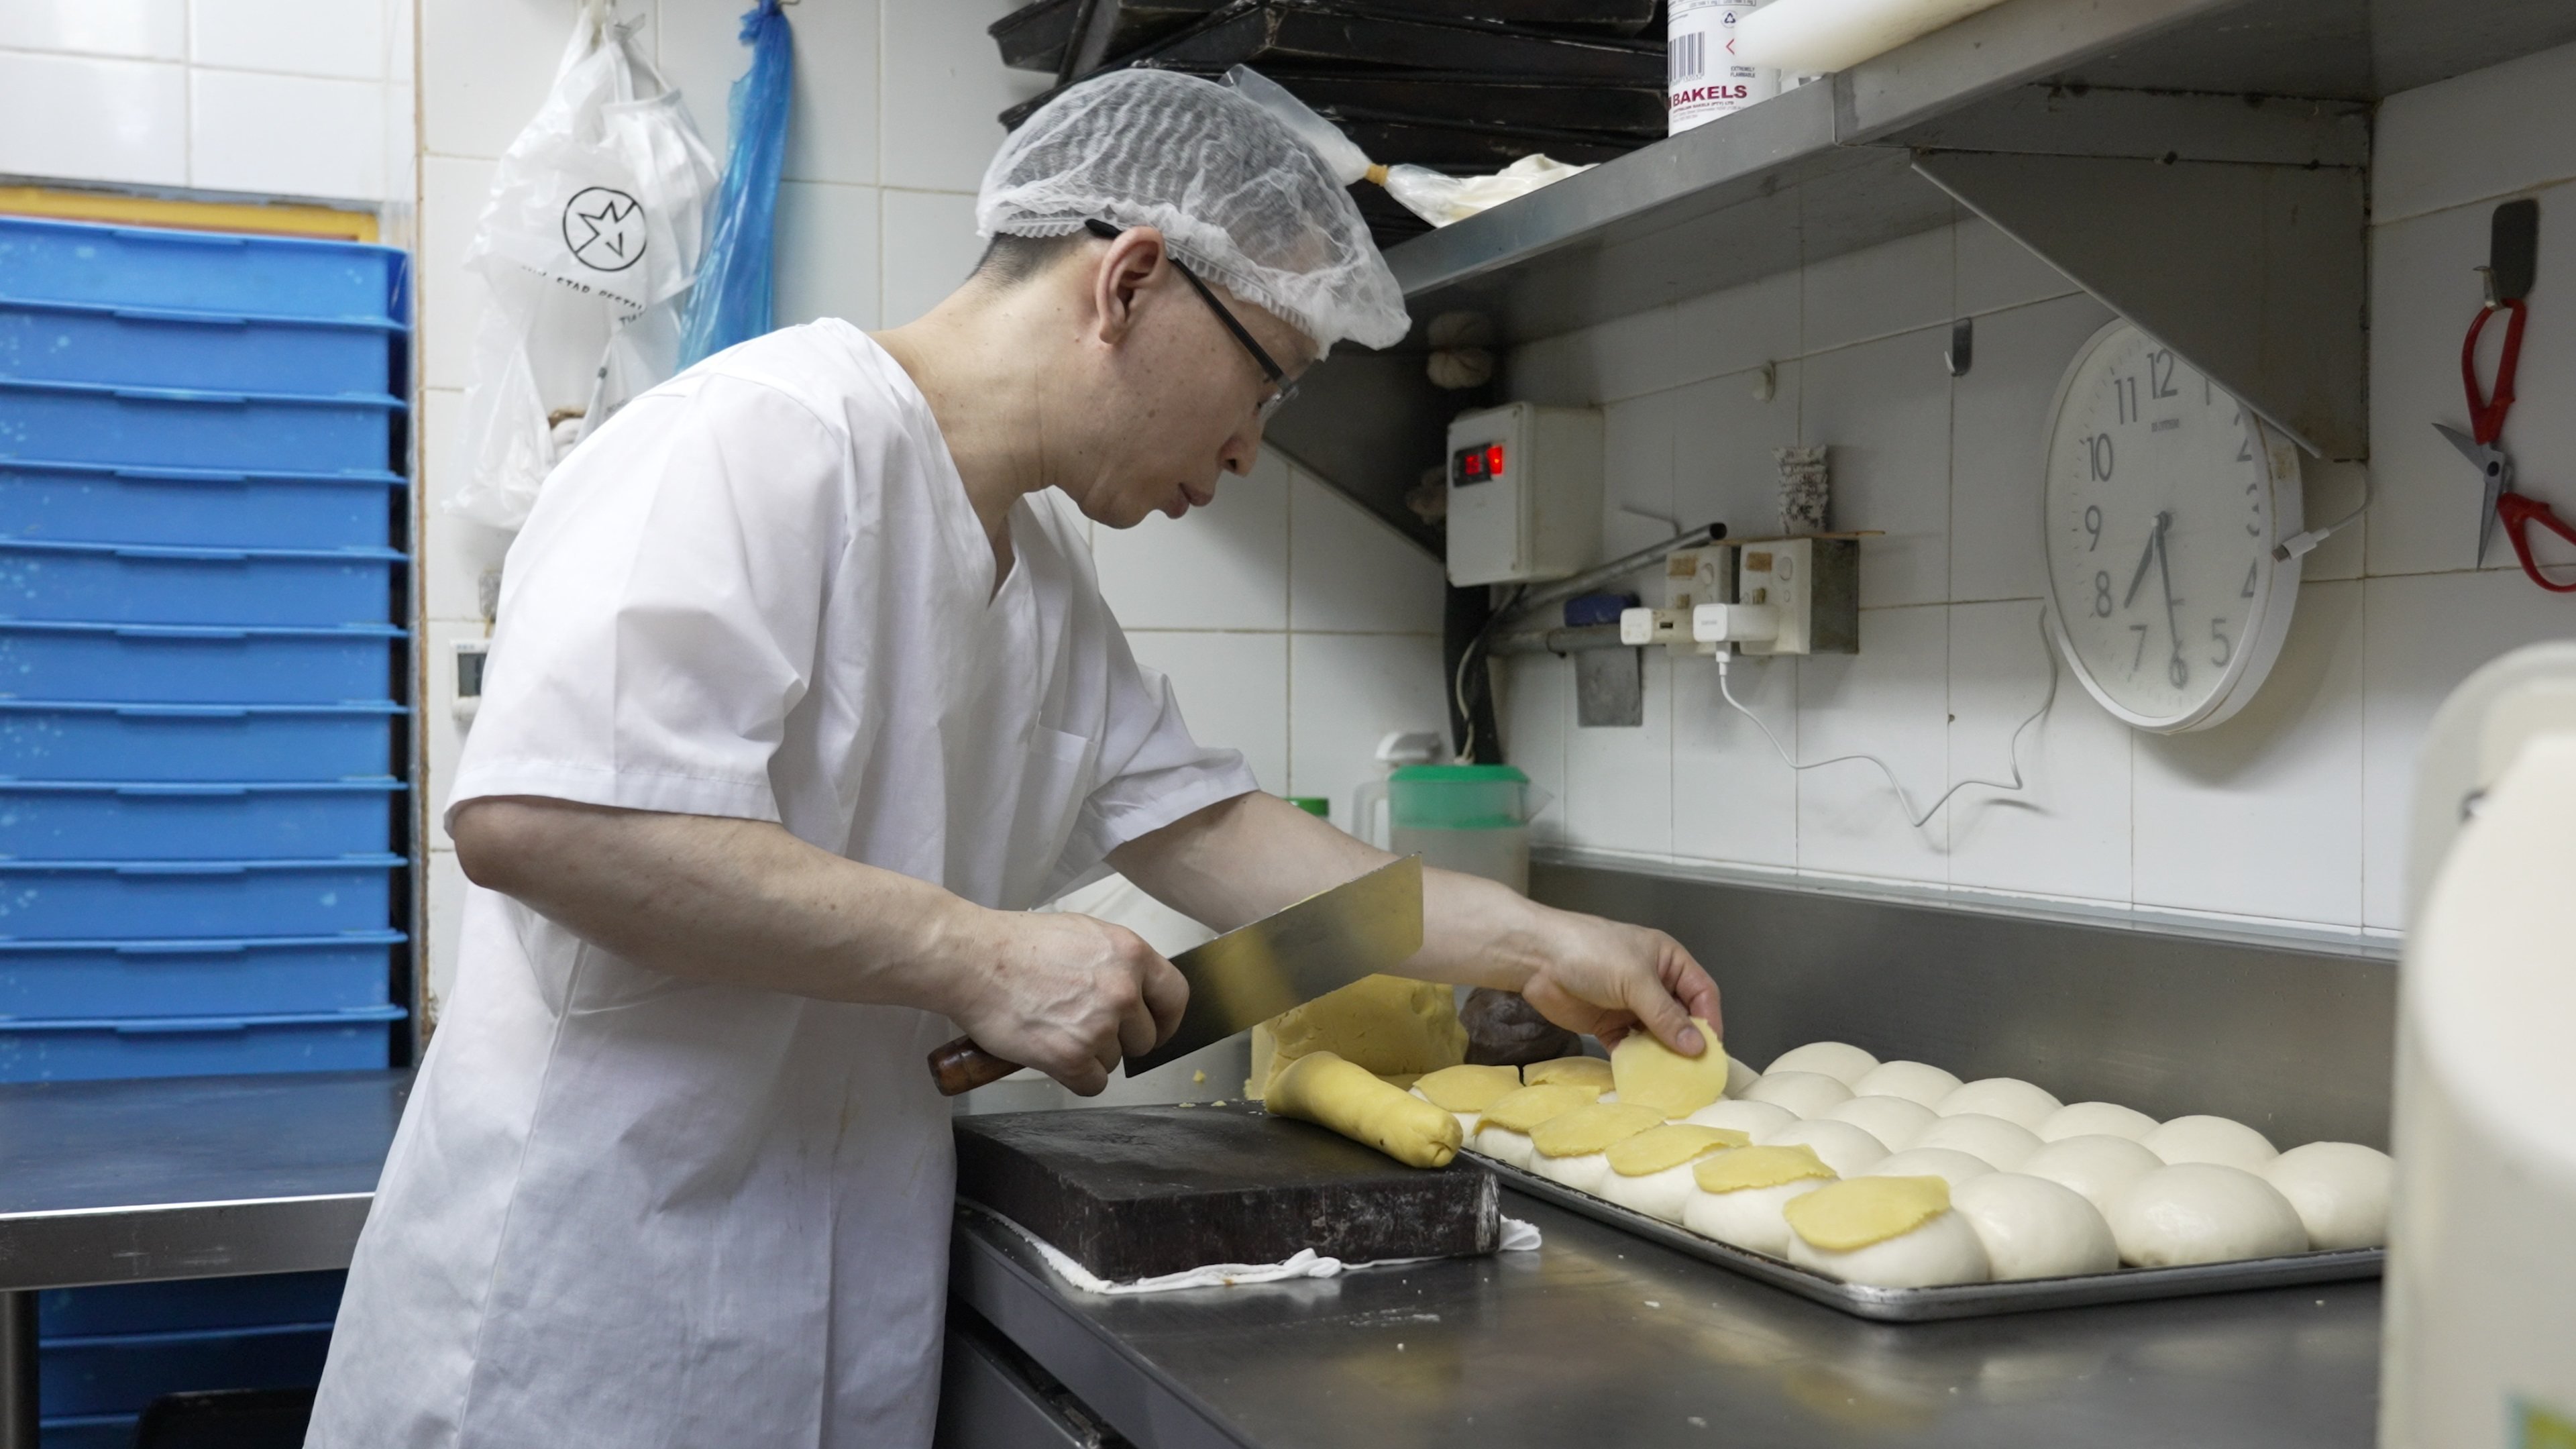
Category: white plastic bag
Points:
column 588, row 245
column 1435, row 196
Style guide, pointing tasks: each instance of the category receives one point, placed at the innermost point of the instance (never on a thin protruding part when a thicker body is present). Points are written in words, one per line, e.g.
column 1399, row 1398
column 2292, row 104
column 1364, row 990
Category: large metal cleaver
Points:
column 1253, row 973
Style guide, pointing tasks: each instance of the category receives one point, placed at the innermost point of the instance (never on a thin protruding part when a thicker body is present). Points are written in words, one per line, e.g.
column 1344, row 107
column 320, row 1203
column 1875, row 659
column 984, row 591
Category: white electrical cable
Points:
column 1903, row 800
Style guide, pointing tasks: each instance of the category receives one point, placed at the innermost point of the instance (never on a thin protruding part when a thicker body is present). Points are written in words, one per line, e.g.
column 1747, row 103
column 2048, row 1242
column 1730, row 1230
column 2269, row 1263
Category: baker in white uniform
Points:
column 802, row 693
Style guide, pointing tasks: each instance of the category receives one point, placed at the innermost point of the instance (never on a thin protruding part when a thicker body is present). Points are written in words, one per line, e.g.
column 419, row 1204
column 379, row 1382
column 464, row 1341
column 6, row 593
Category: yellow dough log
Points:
column 1321, row 1088
column 1385, row 1024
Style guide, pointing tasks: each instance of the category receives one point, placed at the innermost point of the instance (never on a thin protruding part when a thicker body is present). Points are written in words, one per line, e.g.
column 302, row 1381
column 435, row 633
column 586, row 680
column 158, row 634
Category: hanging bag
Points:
column 587, row 245
column 731, row 302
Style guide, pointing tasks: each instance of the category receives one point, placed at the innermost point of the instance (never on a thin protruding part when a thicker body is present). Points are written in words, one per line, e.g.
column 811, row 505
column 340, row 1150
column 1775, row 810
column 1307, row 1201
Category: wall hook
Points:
column 1962, row 354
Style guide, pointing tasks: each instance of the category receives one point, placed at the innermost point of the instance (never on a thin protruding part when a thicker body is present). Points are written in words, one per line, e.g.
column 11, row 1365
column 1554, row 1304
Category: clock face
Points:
column 2165, row 499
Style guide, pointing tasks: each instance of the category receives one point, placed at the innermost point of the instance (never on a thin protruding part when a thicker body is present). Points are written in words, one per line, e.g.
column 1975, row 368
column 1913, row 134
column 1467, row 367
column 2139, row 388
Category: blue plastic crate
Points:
column 66, row 261
column 63, row 980
column 196, row 820
column 193, row 664
column 79, row 422
column 197, row 1046
column 121, row 1373
column 93, row 502
column 107, row 900
column 48, row 740
column 251, row 1301
column 171, row 347
column 159, row 583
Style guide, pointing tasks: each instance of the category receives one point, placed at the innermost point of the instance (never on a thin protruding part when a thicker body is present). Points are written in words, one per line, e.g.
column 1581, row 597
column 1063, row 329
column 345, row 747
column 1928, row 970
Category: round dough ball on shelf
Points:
column 1739, row 1195
column 1568, row 1147
column 1893, row 1120
column 1465, row 1092
column 2097, row 1167
column 2339, row 1190
column 1738, row 1077
column 2010, row 1098
column 1652, row 1172
column 2203, row 1212
column 1750, row 1118
column 2211, row 1139
column 1502, row 1132
column 2033, row 1228
column 1914, row 1081
column 1807, row 1094
column 1504, row 1145
column 1841, row 1061
column 1946, row 1163
column 2095, row 1119
column 1886, row 1232
column 1840, row 1145
column 2004, row 1145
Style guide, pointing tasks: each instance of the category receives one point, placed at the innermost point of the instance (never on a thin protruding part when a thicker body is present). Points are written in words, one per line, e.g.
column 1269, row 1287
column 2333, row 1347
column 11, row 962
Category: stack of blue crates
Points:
column 202, row 806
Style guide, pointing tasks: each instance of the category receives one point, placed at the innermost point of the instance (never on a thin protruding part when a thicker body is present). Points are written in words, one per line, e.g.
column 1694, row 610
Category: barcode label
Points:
column 1686, row 54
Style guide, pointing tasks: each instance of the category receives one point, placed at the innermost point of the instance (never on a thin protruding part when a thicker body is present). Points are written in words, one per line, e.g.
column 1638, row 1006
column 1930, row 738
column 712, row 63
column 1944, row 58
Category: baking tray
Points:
column 1967, row 1300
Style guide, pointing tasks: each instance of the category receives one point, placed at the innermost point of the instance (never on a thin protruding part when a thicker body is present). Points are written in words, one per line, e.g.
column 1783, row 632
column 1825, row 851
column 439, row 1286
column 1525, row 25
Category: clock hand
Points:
column 2164, row 566
column 2146, row 556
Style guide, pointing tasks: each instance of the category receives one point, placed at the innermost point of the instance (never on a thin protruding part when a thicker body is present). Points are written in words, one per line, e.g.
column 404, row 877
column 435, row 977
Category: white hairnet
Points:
column 1235, row 193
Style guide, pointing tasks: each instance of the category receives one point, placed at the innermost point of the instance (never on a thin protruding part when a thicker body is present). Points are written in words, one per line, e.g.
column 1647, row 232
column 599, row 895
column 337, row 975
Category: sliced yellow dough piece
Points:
column 1648, row 1072
column 1852, row 1214
column 1522, row 1110
column 1321, row 1088
column 1467, row 1089
column 1659, row 1148
column 1581, row 1071
column 1752, row 1167
column 1591, row 1128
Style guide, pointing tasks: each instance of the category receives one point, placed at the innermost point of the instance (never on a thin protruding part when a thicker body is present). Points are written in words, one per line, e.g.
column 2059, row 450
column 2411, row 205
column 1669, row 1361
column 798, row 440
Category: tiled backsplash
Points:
column 2295, row 810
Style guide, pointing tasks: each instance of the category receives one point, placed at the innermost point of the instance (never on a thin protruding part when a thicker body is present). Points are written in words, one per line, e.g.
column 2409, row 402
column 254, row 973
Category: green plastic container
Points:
column 1470, row 818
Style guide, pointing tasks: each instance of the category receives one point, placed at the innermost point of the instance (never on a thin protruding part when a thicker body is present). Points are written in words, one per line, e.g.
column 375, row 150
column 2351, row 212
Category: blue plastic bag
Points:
column 731, row 301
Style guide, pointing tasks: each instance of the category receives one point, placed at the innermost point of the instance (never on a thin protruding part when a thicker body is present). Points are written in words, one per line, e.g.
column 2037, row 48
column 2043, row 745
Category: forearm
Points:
column 741, row 902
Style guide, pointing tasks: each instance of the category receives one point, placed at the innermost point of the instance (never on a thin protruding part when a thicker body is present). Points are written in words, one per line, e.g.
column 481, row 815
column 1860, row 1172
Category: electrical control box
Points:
column 1524, row 494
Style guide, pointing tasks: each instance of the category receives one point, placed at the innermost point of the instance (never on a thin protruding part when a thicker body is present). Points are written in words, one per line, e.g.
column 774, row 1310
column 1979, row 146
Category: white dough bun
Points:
column 2095, row 1119
column 1750, row 1118
column 2097, row 1167
column 2034, row 1228
column 2340, row 1191
column 1942, row 1251
column 1946, row 1163
column 1841, row 1061
column 2010, row 1098
column 1749, row 1219
column 1466, row 1120
column 1738, row 1077
column 1839, row 1145
column 1660, row 1194
column 2203, row 1212
column 1914, row 1081
column 2221, row 1140
column 1893, row 1120
column 1807, row 1094
column 2004, row 1145
column 1506, row 1146
column 1583, row 1171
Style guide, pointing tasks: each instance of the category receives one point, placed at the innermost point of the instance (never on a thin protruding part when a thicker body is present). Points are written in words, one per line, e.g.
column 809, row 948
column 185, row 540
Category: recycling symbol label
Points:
column 605, row 228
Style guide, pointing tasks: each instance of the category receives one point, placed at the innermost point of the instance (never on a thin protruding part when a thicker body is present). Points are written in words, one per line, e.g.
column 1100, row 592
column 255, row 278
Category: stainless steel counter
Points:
column 1600, row 1338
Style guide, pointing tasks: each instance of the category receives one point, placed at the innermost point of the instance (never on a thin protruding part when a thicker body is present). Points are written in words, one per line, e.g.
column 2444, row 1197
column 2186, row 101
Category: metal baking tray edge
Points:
column 1966, row 1300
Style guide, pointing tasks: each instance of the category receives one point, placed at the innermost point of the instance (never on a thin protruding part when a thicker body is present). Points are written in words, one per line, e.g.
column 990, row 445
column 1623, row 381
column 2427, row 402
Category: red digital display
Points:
column 1472, row 463
column 1494, row 460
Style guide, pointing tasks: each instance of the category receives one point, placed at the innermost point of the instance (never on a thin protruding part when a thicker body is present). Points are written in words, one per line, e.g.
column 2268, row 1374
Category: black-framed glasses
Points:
column 1282, row 387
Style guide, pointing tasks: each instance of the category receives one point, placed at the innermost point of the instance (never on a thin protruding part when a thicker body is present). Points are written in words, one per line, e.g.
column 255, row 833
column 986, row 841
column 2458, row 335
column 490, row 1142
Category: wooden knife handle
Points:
column 962, row 1066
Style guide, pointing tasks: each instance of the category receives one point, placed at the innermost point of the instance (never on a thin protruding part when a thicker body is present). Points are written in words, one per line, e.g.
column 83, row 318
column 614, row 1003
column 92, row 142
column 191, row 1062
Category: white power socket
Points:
column 1780, row 576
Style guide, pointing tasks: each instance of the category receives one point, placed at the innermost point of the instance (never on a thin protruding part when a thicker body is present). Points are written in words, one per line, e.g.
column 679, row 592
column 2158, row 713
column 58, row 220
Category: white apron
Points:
column 625, row 1209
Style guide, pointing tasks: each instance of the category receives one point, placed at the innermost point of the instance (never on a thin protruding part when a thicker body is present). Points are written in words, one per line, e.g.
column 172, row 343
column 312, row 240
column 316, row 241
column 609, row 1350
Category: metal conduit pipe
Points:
column 1611, row 572
column 1573, row 640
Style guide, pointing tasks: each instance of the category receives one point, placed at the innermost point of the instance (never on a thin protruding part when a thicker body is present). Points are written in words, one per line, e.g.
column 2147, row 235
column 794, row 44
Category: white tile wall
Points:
column 1233, row 690
column 92, row 119
column 1220, row 567
column 1890, row 701
column 928, row 247
column 942, row 92
column 1996, row 453
column 1348, row 571
column 1345, row 693
column 296, row 37
column 2068, row 835
column 135, row 29
column 828, row 245
column 1883, row 408
column 1619, row 780
column 286, row 135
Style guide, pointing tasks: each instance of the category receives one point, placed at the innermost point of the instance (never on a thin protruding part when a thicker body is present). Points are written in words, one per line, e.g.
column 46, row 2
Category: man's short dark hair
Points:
column 1010, row 260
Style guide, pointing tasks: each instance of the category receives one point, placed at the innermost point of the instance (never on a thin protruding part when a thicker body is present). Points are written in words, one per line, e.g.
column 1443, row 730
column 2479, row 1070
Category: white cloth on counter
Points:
column 1518, row 1237
column 627, row 1208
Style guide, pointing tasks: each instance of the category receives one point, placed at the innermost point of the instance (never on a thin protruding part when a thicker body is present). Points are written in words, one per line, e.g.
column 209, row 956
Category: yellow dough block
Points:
column 1847, row 1216
column 1581, row 1071
column 1522, row 1110
column 1591, row 1129
column 1321, row 1088
column 1468, row 1089
column 1651, row 1073
column 1382, row 1024
column 1752, row 1167
column 1660, row 1148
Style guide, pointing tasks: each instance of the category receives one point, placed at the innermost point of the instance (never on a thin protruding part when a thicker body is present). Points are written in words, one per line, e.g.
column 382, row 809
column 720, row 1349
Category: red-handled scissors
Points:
column 2487, row 412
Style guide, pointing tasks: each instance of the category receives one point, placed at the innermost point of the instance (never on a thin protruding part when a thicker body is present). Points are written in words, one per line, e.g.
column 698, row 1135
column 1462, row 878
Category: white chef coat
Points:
column 629, row 1209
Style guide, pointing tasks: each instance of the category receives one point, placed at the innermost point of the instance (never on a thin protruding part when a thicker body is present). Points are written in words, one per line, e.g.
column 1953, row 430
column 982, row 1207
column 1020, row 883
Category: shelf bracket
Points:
column 2256, row 271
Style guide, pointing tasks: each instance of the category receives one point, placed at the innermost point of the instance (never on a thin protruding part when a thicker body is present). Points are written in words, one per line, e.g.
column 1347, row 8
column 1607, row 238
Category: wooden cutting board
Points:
column 1134, row 1192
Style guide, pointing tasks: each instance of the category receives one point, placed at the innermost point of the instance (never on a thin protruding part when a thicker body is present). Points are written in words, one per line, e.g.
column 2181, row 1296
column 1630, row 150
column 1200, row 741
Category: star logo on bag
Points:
column 605, row 229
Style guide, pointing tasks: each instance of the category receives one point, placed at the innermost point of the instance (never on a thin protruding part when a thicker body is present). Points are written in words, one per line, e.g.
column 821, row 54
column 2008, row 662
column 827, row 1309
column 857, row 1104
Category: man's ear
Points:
column 1130, row 264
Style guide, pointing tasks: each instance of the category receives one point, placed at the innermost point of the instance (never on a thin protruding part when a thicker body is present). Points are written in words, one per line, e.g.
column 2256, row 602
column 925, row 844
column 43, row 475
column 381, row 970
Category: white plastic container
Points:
column 1703, row 78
